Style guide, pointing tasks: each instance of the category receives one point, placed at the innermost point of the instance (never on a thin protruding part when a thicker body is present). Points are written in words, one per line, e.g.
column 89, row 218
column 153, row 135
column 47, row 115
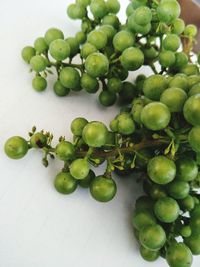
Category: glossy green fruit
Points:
column 59, row 49
column 60, row 90
column 142, row 218
column 79, row 169
column 178, row 189
column 70, row 78
column 179, row 255
column 193, row 242
column 86, row 182
column 39, row 83
column 16, row 147
column 38, row 140
column 168, row 11
column 194, row 138
column 27, row 53
column 154, row 86
column 65, row 183
column 191, row 110
column 187, row 169
column 148, row 254
column 38, row 63
column 96, row 65
column 53, row 34
column 132, row 58
column 78, row 125
column 65, row 151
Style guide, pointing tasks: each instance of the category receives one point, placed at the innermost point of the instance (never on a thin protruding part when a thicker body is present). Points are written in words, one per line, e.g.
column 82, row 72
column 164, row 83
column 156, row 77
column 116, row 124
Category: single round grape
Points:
column 98, row 8
column 168, row 11
column 194, row 138
column 53, row 34
column 121, row 73
column 98, row 39
column 132, row 58
column 171, row 42
column 148, row 254
column 152, row 237
column 166, row 209
column 83, row 3
column 60, row 90
column 161, row 170
column 103, row 189
column 80, row 37
column 111, row 20
column 190, row 69
column 95, row 134
column 79, row 169
column 179, row 255
column 113, row 6
column 193, row 80
column 143, row 218
column 155, row 116
column 178, row 26
column 38, row 63
column 123, row 40
column 114, row 85
column 90, row 84
column 76, row 11
column 16, row 147
column 187, row 169
column 107, row 98
column 27, row 53
column 70, row 78
column 157, row 191
column 38, row 140
column 97, row 65
column 150, row 53
column 133, row 26
column 185, row 231
column 40, row 45
column 78, row 125
column 65, row 151
column 87, row 49
column 74, row 46
column 174, row 98
column 167, row 59
column 193, row 242
column 191, row 30
column 59, row 49
column 178, row 189
column 109, row 31
column 65, row 183
column 129, row 10
column 181, row 60
column 187, row 204
column 180, row 81
column 154, row 86
column 194, row 90
column 39, row 83
column 143, row 15
column 191, row 110
column 86, row 182
column 126, row 125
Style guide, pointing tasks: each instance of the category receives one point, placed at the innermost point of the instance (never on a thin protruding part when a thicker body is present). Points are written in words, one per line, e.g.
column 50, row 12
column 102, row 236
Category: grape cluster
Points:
column 156, row 134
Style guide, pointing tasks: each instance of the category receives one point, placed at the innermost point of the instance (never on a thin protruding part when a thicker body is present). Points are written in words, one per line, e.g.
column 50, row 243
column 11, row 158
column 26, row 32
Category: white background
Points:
column 38, row 226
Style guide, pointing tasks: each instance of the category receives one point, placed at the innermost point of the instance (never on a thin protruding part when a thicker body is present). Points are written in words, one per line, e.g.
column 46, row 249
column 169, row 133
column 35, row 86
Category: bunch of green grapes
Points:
column 105, row 50
column 156, row 134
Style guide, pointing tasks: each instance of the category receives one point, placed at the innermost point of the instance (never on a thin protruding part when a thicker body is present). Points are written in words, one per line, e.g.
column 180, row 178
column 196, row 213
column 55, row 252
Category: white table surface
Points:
column 38, row 226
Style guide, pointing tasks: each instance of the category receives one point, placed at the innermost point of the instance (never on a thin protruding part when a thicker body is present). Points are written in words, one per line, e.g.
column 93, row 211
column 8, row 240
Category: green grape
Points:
column 179, row 255
column 180, row 81
column 121, row 73
column 107, row 98
column 113, row 6
column 16, row 147
column 79, row 169
column 143, row 15
column 96, row 65
column 168, row 11
column 132, row 58
column 27, row 53
column 193, row 242
column 148, row 254
column 111, row 20
column 187, row 169
column 138, row 3
column 53, row 34
column 65, row 183
column 128, row 92
column 187, row 204
column 126, row 125
column 70, row 78
column 95, row 134
column 74, row 46
column 83, row 3
column 38, row 140
column 129, row 10
column 87, row 49
column 161, row 170
column 143, row 218
column 60, row 90
column 155, row 116
column 76, row 11
column 98, row 39
column 78, row 125
column 178, row 189
column 178, row 26
column 90, row 84
column 167, row 59
column 65, row 151
column 150, row 53
column 181, row 60
column 38, row 63
column 114, row 85
column 144, row 203
column 191, row 110
column 194, row 90
column 185, row 231
column 174, row 98
column 40, row 45
column 171, row 42
column 194, row 138
column 154, row 86
column 59, row 49
column 81, row 37
column 193, row 79
column 39, row 83
column 191, row 30
column 109, row 31
column 157, row 191
column 103, row 189
column 166, row 209
column 190, row 69
column 133, row 26
column 152, row 237
column 98, row 8
column 86, row 182
column 123, row 40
